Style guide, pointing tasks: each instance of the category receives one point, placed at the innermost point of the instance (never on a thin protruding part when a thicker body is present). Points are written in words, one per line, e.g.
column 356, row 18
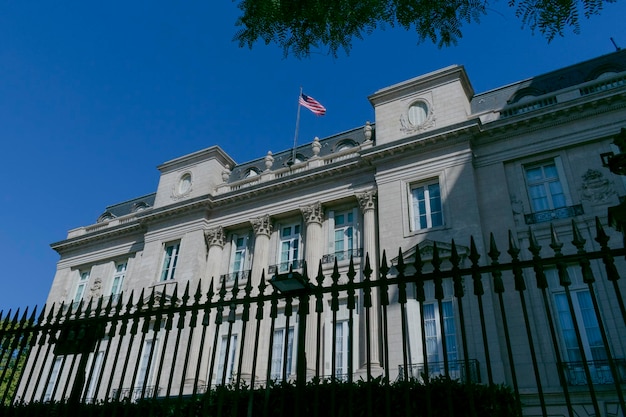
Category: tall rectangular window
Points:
column 289, row 247
column 97, row 368
column 83, row 280
column 226, row 361
column 170, row 258
column 118, row 280
column 587, row 324
column 52, row 381
column 344, row 234
column 426, row 207
column 278, row 353
column 544, row 186
column 341, row 348
column 239, row 254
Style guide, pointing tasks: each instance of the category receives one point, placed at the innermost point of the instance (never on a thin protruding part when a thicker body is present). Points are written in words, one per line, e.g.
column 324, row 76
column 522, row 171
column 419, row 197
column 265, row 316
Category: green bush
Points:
column 326, row 398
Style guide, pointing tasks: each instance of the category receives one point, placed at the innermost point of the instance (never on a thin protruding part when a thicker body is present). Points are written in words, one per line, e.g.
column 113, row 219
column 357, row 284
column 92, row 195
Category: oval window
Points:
column 185, row 184
column 418, row 112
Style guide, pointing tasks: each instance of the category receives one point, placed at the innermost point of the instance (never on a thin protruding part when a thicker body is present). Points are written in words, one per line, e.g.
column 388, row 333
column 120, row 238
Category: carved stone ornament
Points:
column 367, row 131
column 215, row 237
column 313, row 213
column 269, row 161
column 316, row 146
column 226, row 173
column 367, row 200
column 262, row 225
column 96, row 288
column 408, row 126
column 595, row 187
column 183, row 187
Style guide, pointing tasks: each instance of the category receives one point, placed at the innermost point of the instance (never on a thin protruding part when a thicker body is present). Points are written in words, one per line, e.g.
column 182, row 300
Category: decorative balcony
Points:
column 456, row 370
column 550, row 215
column 599, row 370
column 284, row 266
column 342, row 256
column 240, row 276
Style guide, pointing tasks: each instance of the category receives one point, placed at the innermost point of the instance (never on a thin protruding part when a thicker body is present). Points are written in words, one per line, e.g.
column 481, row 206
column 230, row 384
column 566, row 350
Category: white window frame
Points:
column 170, row 261
column 278, row 353
column 83, row 280
column 294, row 241
column 117, row 282
column 414, row 213
column 143, row 372
column 351, row 240
column 97, row 369
column 230, row 363
column 342, row 354
column 342, row 351
column 587, row 324
column 244, row 250
column 433, row 331
column 561, row 179
column 55, row 373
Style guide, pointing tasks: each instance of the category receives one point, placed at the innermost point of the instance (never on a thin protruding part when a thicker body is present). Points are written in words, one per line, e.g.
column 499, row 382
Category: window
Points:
column 426, row 207
column 341, row 348
column 289, row 247
column 95, row 375
column 146, row 367
column 435, row 334
column 239, row 254
column 229, row 362
column 83, row 280
column 118, row 280
column 343, row 235
column 585, row 318
column 544, row 187
column 278, row 354
column 52, row 380
column 170, row 259
column 418, row 112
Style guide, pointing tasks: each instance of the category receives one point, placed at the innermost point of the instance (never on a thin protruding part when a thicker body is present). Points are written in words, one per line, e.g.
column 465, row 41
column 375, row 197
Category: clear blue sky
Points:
column 93, row 96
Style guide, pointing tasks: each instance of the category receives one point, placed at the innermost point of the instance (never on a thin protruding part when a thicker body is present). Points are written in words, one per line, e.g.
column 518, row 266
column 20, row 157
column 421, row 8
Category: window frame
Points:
column 352, row 240
column 294, row 253
column 83, row 280
column 118, row 279
column 414, row 223
column 168, row 270
column 278, row 349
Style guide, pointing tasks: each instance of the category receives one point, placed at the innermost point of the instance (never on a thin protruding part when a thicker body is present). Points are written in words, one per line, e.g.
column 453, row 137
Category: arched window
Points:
column 418, row 112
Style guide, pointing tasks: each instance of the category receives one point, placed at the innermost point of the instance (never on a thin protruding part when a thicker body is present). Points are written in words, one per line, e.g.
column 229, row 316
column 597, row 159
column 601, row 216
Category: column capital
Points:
column 215, row 237
column 367, row 200
column 313, row 213
column 262, row 225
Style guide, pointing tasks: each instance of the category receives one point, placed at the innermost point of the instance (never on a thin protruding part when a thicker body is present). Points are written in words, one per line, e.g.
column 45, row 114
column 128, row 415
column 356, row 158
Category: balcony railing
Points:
column 240, row 276
column 550, row 215
column 456, row 370
column 284, row 266
column 342, row 256
column 599, row 370
column 135, row 393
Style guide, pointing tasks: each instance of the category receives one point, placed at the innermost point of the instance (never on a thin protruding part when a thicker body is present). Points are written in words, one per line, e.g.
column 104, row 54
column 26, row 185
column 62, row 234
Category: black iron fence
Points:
column 551, row 327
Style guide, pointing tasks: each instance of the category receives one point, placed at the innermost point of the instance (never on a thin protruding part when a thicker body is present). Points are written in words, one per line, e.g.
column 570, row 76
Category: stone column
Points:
column 367, row 203
column 313, row 251
column 215, row 239
column 262, row 230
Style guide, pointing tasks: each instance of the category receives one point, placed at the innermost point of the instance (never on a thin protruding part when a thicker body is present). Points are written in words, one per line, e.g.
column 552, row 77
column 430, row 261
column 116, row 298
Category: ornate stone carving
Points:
column 316, row 146
column 367, row 200
column 262, row 225
column 96, row 288
column 517, row 206
column 313, row 213
column 368, row 131
column 226, row 173
column 215, row 237
column 595, row 187
column 269, row 161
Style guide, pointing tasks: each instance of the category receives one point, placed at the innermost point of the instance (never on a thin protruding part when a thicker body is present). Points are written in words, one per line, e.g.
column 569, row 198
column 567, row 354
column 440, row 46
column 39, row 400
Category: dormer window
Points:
column 251, row 173
column 418, row 113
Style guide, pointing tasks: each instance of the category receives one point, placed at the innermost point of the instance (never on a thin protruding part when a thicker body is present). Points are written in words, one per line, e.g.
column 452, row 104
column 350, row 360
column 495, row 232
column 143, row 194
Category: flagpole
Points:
column 295, row 136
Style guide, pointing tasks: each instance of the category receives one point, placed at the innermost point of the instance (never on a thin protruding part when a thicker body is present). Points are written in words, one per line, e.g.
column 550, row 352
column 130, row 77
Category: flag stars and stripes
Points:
column 312, row 104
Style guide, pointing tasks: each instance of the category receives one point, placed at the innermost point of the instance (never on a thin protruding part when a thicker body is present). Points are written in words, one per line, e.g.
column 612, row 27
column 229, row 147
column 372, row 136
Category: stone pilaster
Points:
column 367, row 203
column 314, row 250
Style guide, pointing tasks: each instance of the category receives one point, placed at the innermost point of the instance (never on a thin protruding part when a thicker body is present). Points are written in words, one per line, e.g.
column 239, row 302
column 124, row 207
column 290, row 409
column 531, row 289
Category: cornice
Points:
column 99, row 235
column 444, row 136
column 551, row 116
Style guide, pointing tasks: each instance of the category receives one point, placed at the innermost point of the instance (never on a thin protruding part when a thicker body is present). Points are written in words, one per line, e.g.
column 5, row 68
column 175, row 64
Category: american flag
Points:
column 312, row 104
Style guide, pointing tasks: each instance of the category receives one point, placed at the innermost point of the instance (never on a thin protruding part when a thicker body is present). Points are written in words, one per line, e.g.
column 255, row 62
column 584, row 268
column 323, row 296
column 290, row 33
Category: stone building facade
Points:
column 440, row 163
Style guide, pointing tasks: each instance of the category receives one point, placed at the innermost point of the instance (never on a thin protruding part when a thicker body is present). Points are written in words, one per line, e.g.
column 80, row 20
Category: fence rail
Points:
column 513, row 321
